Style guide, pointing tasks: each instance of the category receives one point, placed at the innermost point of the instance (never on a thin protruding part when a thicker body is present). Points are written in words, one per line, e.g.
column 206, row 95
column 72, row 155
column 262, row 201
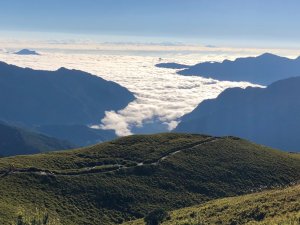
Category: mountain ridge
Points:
column 38, row 97
column 263, row 69
column 128, row 177
column 267, row 116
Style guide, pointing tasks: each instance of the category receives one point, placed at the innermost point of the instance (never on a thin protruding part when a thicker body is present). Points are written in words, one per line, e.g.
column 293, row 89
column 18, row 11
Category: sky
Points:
column 257, row 23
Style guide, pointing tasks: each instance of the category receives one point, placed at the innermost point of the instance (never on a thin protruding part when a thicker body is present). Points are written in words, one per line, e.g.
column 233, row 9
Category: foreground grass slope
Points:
column 280, row 206
column 124, row 179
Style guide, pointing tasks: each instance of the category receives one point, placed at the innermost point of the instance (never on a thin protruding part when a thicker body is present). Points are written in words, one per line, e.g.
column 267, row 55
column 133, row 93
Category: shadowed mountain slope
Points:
column 18, row 141
column 269, row 116
column 33, row 97
column 80, row 135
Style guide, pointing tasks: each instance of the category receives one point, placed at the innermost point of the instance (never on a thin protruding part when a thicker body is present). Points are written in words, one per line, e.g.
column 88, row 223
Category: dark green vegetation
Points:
column 44, row 220
column 275, row 207
column 18, row 141
column 268, row 116
column 127, row 178
column 156, row 217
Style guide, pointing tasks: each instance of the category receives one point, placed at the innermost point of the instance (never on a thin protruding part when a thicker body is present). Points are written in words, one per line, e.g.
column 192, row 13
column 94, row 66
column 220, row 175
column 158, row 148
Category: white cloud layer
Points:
column 161, row 94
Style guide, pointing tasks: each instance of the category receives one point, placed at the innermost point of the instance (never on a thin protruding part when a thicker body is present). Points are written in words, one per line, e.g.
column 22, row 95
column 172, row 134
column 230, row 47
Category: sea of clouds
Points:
column 162, row 96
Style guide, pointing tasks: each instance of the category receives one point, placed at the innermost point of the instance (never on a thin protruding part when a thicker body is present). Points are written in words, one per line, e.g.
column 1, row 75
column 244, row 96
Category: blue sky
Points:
column 210, row 21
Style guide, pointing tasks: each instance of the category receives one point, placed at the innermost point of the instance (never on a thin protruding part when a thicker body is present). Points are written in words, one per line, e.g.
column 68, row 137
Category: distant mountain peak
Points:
column 172, row 66
column 26, row 52
column 63, row 69
column 271, row 56
column 267, row 55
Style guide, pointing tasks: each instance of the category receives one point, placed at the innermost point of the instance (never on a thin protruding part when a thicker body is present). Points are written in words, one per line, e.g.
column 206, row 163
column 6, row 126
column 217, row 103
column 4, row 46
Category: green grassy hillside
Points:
column 124, row 179
column 280, row 206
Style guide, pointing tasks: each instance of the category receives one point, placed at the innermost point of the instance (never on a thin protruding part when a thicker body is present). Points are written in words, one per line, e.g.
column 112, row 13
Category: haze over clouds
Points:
column 80, row 44
column 162, row 95
column 213, row 22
